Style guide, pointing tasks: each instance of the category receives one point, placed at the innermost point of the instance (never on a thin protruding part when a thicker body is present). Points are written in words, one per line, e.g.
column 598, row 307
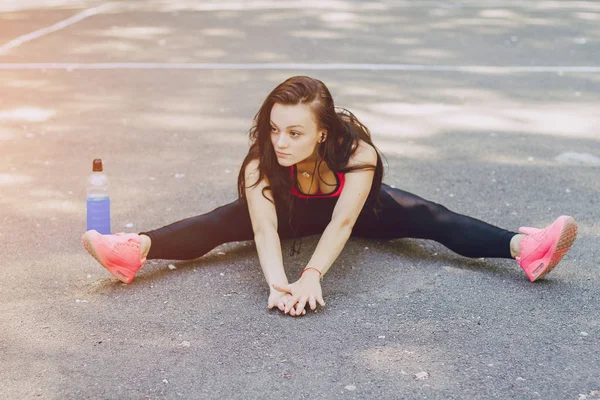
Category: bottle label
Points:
column 98, row 215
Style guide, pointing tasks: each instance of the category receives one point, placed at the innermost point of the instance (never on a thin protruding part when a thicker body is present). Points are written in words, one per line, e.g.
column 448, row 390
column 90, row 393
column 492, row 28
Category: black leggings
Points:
column 403, row 215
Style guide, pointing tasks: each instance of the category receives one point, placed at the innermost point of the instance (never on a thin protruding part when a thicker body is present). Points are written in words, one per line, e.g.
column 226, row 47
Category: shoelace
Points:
column 128, row 243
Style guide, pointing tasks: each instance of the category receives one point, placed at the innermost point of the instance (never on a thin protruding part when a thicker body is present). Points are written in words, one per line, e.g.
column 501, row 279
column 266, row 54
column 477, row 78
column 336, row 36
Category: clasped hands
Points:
column 293, row 297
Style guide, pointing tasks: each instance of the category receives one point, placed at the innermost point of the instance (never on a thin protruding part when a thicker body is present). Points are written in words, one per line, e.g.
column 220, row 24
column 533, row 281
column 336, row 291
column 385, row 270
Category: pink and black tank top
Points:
column 340, row 177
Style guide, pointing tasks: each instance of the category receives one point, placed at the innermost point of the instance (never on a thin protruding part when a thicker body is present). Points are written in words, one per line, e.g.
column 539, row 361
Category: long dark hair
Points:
column 344, row 131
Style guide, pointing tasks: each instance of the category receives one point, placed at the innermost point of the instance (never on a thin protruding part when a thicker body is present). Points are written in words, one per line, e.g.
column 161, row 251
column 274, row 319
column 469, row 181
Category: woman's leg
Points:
column 123, row 254
column 195, row 236
column 405, row 215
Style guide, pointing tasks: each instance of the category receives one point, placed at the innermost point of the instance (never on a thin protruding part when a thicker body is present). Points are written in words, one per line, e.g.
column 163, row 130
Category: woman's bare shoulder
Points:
column 252, row 168
column 252, row 175
column 364, row 154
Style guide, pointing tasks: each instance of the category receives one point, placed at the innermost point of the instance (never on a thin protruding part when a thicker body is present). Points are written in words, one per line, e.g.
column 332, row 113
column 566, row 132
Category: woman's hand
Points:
column 305, row 289
column 278, row 299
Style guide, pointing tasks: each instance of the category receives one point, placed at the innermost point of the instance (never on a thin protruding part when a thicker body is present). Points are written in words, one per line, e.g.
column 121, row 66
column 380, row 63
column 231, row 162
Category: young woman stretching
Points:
column 312, row 168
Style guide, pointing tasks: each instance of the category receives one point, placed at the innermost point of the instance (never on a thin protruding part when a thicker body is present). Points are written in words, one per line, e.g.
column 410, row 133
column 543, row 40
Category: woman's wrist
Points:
column 313, row 272
column 281, row 282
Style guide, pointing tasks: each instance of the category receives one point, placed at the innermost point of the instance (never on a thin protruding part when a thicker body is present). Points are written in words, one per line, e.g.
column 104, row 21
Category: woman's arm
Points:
column 268, row 247
column 347, row 209
column 264, row 224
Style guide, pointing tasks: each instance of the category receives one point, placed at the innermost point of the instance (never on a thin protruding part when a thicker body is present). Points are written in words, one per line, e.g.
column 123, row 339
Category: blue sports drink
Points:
column 98, row 201
column 98, row 214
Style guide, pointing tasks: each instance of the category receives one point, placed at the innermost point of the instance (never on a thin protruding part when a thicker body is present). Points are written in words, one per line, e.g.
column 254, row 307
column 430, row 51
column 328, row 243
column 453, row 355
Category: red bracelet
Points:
column 307, row 268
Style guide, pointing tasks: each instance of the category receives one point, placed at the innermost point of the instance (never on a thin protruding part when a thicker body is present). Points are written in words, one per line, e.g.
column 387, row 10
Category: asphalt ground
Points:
column 490, row 108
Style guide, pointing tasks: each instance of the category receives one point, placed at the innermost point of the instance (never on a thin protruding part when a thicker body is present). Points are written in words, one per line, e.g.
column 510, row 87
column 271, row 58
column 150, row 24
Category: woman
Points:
column 312, row 168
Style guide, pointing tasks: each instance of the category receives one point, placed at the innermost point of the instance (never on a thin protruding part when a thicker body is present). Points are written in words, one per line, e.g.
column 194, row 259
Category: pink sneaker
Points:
column 120, row 254
column 542, row 249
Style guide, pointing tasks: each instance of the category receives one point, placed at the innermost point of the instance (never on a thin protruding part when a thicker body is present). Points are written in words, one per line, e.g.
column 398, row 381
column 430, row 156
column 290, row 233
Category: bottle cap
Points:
column 97, row 164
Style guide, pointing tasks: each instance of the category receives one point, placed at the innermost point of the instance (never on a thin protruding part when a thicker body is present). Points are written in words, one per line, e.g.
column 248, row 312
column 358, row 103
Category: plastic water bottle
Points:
column 98, row 201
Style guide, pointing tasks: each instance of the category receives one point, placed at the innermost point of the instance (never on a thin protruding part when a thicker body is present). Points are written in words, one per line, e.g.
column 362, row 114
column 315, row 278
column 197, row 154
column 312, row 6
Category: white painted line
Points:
column 477, row 69
column 58, row 26
column 343, row 6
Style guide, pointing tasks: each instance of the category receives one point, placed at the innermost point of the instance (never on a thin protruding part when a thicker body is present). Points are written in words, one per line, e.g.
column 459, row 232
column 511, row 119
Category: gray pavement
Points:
column 405, row 319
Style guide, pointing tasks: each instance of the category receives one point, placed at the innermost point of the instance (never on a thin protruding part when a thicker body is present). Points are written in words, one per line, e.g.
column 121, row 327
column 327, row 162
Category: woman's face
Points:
column 294, row 133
